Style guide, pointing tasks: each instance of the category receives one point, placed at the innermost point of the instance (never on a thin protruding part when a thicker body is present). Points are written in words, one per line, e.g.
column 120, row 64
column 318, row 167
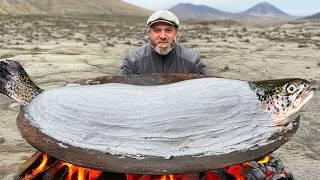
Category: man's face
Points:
column 162, row 36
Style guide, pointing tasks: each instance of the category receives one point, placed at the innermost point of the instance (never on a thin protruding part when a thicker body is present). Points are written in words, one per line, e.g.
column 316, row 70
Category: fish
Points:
column 177, row 120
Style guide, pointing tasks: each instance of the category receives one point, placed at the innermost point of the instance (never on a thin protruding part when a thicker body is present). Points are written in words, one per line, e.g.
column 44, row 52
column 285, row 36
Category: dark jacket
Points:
column 145, row 60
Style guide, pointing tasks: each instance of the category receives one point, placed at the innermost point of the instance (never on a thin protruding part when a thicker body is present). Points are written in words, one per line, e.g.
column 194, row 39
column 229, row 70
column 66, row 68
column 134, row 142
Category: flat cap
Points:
column 163, row 16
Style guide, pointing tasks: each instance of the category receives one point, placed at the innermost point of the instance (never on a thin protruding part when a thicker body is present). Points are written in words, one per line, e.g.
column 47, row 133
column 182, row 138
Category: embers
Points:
column 41, row 166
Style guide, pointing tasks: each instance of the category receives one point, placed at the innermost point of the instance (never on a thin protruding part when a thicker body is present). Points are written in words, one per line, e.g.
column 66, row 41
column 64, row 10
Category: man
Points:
column 162, row 54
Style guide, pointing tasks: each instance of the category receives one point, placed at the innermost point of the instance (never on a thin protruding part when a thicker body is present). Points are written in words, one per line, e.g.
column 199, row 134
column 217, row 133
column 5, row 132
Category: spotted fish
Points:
column 204, row 121
column 284, row 98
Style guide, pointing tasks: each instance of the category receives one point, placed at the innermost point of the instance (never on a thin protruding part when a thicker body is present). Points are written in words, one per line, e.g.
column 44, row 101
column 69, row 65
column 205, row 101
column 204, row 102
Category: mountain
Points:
column 265, row 9
column 70, row 7
column 315, row 16
column 16, row 7
column 260, row 14
column 187, row 10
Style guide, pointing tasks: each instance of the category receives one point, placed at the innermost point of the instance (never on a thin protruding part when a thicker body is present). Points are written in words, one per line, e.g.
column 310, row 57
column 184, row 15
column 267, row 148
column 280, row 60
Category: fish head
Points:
column 283, row 99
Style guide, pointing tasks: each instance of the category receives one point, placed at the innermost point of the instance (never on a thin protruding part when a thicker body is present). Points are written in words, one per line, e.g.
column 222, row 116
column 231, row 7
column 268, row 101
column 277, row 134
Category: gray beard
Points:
column 164, row 51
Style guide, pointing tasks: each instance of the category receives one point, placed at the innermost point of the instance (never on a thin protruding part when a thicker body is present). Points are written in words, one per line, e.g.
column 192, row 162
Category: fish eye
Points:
column 291, row 89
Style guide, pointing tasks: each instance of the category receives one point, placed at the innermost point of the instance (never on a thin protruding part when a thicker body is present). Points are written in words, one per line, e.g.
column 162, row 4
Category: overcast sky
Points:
column 292, row 7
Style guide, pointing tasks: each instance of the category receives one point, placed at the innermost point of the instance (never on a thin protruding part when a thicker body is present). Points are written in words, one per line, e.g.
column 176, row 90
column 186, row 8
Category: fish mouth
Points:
column 307, row 95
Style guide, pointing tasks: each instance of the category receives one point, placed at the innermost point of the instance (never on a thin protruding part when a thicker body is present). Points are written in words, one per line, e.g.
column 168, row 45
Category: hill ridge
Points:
column 70, row 7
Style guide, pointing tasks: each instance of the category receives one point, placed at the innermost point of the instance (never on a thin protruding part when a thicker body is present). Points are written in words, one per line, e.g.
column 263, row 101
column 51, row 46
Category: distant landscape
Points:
column 70, row 7
column 315, row 16
column 262, row 13
column 258, row 13
column 187, row 10
column 65, row 40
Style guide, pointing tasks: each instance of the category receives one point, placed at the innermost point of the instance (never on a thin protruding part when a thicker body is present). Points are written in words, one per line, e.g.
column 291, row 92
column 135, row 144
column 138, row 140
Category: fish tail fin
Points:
column 16, row 83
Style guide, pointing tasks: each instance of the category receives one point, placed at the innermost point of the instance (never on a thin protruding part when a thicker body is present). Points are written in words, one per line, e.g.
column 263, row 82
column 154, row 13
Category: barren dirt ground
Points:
column 55, row 51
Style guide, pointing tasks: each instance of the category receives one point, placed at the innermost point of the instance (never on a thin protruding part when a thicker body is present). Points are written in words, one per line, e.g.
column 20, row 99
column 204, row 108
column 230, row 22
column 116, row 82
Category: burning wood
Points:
column 55, row 169
column 50, row 168
column 41, row 167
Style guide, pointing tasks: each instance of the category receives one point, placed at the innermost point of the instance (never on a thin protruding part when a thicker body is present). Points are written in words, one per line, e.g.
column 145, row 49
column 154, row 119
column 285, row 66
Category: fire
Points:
column 42, row 166
column 74, row 172
column 264, row 160
column 80, row 172
column 237, row 170
column 159, row 177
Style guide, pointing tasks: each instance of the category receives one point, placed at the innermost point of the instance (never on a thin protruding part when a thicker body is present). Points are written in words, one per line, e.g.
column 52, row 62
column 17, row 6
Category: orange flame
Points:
column 94, row 174
column 211, row 175
column 74, row 172
column 81, row 173
column 167, row 177
column 236, row 171
column 264, row 160
column 71, row 169
column 159, row 177
column 42, row 165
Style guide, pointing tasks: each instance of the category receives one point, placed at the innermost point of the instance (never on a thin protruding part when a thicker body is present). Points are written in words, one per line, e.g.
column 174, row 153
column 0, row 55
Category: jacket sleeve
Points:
column 199, row 67
column 127, row 67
